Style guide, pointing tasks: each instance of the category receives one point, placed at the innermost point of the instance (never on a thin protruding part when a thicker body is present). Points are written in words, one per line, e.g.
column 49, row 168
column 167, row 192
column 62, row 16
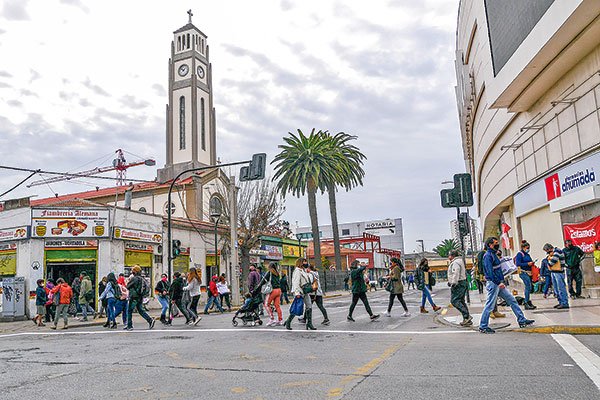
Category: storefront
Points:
column 291, row 252
column 181, row 263
column 211, row 266
column 274, row 254
column 68, row 258
column 8, row 249
column 139, row 249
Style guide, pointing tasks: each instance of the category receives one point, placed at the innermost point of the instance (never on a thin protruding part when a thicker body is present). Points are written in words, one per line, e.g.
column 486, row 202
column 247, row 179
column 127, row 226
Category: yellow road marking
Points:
column 238, row 390
column 300, row 384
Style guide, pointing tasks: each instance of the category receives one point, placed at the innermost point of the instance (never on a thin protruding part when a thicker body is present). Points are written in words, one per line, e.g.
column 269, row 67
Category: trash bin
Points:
column 13, row 297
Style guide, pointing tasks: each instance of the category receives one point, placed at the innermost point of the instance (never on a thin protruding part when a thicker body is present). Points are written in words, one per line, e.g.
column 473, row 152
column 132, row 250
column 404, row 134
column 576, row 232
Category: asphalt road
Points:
column 393, row 358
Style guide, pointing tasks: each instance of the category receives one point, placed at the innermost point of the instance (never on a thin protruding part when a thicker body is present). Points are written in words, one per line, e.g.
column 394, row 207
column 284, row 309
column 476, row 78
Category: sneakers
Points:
column 561, row 307
column 349, row 318
column 487, row 330
column 127, row 328
column 467, row 322
column 151, row 324
column 406, row 314
column 557, row 305
column 198, row 319
column 271, row 322
column 497, row 314
column 66, row 326
column 53, row 327
column 325, row 322
column 526, row 323
column 436, row 308
column 278, row 323
column 374, row 317
column 387, row 314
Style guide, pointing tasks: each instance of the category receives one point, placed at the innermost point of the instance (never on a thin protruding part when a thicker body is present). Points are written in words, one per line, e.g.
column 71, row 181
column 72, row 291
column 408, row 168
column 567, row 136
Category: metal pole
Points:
column 462, row 247
column 233, row 278
column 216, row 250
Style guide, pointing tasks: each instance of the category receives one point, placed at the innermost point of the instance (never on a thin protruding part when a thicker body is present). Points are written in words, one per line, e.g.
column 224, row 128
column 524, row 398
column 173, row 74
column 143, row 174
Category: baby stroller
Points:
column 248, row 313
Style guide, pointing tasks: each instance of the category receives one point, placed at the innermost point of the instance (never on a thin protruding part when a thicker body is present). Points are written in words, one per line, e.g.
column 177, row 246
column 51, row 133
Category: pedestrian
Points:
column 457, row 280
column 176, row 295
column 317, row 297
column 546, row 277
column 396, row 287
column 136, row 296
column 76, row 286
column 224, row 292
column 64, row 293
column 253, row 278
column 285, row 288
column 495, row 287
column 162, row 295
column 86, row 296
column 102, row 304
column 597, row 256
column 422, row 279
column 411, row 281
column 525, row 263
column 359, row 291
column 121, row 302
column 50, row 308
column 193, row 288
column 214, row 298
column 111, row 293
column 273, row 277
column 40, row 303
column 573, row 257
column 557, row 266
column 347, row 281
column 301, row 287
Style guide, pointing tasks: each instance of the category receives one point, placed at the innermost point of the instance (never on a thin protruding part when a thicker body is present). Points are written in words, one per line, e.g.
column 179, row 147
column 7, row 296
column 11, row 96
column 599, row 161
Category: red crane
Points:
column 119, row 164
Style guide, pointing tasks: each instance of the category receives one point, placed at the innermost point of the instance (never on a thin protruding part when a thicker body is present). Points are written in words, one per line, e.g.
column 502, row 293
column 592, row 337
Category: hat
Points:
column 214, row 278
column 136, row 269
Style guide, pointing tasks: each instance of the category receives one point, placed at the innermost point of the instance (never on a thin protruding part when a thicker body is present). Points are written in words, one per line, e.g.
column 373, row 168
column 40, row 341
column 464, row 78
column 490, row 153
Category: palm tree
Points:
column 349, row 161
column 445, row 246
column 304, row 165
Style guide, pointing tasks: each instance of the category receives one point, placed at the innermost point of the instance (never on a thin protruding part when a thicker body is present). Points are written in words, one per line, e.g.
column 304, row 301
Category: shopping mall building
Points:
column 528, row 94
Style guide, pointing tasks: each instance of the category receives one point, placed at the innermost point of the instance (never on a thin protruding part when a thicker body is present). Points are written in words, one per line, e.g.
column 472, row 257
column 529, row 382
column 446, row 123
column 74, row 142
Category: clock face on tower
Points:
column 200, row 72
column 183, row 70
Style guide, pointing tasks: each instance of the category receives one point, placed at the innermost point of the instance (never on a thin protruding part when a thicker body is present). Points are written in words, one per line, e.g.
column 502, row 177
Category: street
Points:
column 407, row 358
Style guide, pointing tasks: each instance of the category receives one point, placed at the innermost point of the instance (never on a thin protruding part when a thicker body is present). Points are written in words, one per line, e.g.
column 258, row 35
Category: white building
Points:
column 528, row 97
column 472, row 240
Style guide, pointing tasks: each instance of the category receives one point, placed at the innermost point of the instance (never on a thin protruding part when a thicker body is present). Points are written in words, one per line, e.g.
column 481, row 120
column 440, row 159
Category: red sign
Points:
column 552, row 187
column 585, row 234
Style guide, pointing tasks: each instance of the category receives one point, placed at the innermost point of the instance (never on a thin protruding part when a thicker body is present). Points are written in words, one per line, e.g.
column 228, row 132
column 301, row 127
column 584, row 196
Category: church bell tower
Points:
column 191, row 131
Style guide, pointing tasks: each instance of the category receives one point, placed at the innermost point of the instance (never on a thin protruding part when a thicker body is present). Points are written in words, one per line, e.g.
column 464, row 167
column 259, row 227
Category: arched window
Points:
column 178, row 43
column 202, row 125
column 181, row 123
column 188, row 40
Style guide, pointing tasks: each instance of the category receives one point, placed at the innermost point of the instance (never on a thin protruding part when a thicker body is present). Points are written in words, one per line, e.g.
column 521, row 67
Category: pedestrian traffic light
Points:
column 256, row 169
column 176, row 248
column 463, row 224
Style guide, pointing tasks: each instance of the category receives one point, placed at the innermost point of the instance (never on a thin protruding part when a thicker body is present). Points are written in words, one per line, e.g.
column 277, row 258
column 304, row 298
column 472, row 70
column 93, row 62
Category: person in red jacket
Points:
column 212, row 286
column 65, row 293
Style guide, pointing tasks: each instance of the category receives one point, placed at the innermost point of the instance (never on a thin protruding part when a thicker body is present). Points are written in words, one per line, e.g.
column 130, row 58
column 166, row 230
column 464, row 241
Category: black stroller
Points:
column 248, row 313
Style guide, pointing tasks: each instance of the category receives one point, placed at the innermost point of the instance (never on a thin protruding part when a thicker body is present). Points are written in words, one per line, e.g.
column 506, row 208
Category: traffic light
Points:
column 256, row 169
column 176, row 248
column 463, row 224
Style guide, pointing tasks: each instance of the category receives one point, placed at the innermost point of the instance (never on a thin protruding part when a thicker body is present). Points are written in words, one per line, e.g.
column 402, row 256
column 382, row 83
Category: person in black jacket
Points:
column 176, row 294
column 136, row 297
column 285, row 288
column 162, row 295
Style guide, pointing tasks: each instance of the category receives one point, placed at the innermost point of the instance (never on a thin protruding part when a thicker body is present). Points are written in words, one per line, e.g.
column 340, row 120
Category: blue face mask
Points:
column 526, row 251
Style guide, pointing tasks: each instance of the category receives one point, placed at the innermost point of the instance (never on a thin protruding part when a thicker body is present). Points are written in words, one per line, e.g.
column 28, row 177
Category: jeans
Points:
column 212, row 300
column 426, row 296
column 85, row 308
column 284, row 294
column 184, row 311
column 558, row 281
column 457, row 297
column 363, row 297
column 121, row 307
column 574, row 274
column 547, row 283
column 391, row 302
column 193, row 306
column 493, row 291
column 527, row 284
column 136, row 304
column 110, row 309
column 62, row 309
column 164, row 303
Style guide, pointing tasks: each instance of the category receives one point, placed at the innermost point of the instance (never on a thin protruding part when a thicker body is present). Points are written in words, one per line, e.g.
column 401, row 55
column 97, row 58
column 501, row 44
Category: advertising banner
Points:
column 17, row 233
column 584, row 234
column 8, row 259
column 61, row 244
column 69, row 223
column 274, row 252
column 137, row 235
column 291, row 251
column 381, row 228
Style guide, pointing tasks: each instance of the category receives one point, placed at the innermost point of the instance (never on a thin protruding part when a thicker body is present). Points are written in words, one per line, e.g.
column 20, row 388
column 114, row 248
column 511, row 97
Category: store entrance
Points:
column 69, row 271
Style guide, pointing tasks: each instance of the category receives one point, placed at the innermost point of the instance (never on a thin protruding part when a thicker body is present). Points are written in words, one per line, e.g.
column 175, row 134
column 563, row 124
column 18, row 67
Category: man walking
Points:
column 285, row 288
column 457, row 280
column 495, row 287
column 573, row 257
column 556, row 265
column 176, row 295
column 359, row 290
column 136, row 297
column 86, row 295
column 65, row 294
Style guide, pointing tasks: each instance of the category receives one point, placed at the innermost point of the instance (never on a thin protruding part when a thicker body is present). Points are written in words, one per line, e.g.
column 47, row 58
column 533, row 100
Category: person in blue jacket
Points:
column 495, row 287
column 525, row 262
column 547, row 275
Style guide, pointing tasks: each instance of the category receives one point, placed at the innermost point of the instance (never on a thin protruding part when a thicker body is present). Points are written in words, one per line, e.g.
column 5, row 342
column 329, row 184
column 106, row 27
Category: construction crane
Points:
column 119, row 164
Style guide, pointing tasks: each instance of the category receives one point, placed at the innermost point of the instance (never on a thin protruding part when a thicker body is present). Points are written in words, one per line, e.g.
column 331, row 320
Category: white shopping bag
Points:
column 508, row 266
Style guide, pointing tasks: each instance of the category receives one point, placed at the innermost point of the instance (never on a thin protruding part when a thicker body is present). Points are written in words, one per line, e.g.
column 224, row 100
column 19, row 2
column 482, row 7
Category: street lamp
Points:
column 215, row 210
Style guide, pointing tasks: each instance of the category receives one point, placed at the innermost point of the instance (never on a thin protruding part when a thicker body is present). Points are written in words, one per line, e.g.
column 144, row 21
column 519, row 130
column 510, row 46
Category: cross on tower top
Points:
column 190, row 16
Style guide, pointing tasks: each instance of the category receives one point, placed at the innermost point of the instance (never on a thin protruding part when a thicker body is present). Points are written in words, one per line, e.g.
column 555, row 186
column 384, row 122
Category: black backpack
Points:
column 145, row 288
column 480, row 262
column 117, row 291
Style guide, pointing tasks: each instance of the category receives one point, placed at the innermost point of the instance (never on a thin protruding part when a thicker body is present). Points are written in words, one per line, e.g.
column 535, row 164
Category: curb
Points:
column 564, row 329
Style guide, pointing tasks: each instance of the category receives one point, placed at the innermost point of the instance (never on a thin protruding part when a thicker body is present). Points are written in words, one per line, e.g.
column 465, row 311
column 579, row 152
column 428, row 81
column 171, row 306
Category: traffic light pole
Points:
column 169, row 212
column 462, row 248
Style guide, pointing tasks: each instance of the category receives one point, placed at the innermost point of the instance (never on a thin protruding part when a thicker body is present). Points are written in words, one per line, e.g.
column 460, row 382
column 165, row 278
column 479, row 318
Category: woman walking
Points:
column 102, row 305
column 422, row 279
column 524, row 262
column 193, row 288
column 300, row 279
column 317, row 297
column 395, row 287
column 224, row 292
column 110, row 293
column 274, row 298
column 359, row 291
column 162, row 295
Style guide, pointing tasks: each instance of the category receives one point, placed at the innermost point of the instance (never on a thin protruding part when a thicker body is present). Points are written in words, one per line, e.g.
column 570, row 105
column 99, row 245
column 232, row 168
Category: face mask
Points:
column 526, row 251
column 497, row 247
column 305, row 265
column 164, row 278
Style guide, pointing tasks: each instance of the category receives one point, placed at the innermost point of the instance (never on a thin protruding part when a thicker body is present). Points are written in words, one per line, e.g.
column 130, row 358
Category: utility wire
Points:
column 20, row 183
column 72, row 175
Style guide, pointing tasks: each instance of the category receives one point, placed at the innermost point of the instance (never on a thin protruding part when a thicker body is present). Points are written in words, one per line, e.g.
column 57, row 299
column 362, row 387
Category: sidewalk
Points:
column 583, row 316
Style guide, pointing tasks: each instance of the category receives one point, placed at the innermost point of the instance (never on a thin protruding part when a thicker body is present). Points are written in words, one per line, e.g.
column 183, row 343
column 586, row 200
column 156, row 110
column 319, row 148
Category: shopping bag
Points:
column 297, row 307
column 508, row 266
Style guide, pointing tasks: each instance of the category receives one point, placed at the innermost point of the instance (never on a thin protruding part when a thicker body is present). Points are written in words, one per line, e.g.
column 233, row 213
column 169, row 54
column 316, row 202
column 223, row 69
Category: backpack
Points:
column 117, row 291
column 145, row 288
column 479, row 263
column 56, row 298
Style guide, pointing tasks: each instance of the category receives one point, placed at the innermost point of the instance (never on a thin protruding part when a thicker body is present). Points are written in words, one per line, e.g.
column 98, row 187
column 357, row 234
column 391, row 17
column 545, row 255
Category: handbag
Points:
column 89, row 296
column 56, row 298
column 389, row 286
column 267, row 287
column 297, row 307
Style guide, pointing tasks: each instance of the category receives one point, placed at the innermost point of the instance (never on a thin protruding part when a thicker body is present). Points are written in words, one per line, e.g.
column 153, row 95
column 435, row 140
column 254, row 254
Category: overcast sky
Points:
column 79, row 79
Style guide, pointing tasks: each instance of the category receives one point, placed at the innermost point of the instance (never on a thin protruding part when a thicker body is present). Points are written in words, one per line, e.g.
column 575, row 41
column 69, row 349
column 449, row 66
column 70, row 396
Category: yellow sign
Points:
column 291, row 251
column 8, row 262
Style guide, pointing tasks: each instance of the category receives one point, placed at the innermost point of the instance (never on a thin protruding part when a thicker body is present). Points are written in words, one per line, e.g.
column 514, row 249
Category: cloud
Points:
column 4, row 85
column 4, row 74
column 76, row 3
column 286, row 5
column 33, row 75
column 95, row 88
column 159, row 90
column 14, row 103
column 27, row 92
column 15, row 10
column 134, row 103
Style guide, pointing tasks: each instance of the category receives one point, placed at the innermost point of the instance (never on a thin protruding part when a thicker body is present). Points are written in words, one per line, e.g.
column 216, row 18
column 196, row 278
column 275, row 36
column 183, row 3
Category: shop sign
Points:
column 139, row 247
column 8, row 259
column 274, row 252
column 381, row 228
column 259, row 252
column 65, row 223
column 584, row 234
column 291, row 251
column 8, row 247
column 17, row 233
column 137, row 235
column 60, row 244
column 572, row 178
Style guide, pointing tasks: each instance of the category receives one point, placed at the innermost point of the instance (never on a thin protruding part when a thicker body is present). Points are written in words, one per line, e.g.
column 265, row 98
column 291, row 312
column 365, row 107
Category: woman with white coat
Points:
column 300, row 278
column 193, row 288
